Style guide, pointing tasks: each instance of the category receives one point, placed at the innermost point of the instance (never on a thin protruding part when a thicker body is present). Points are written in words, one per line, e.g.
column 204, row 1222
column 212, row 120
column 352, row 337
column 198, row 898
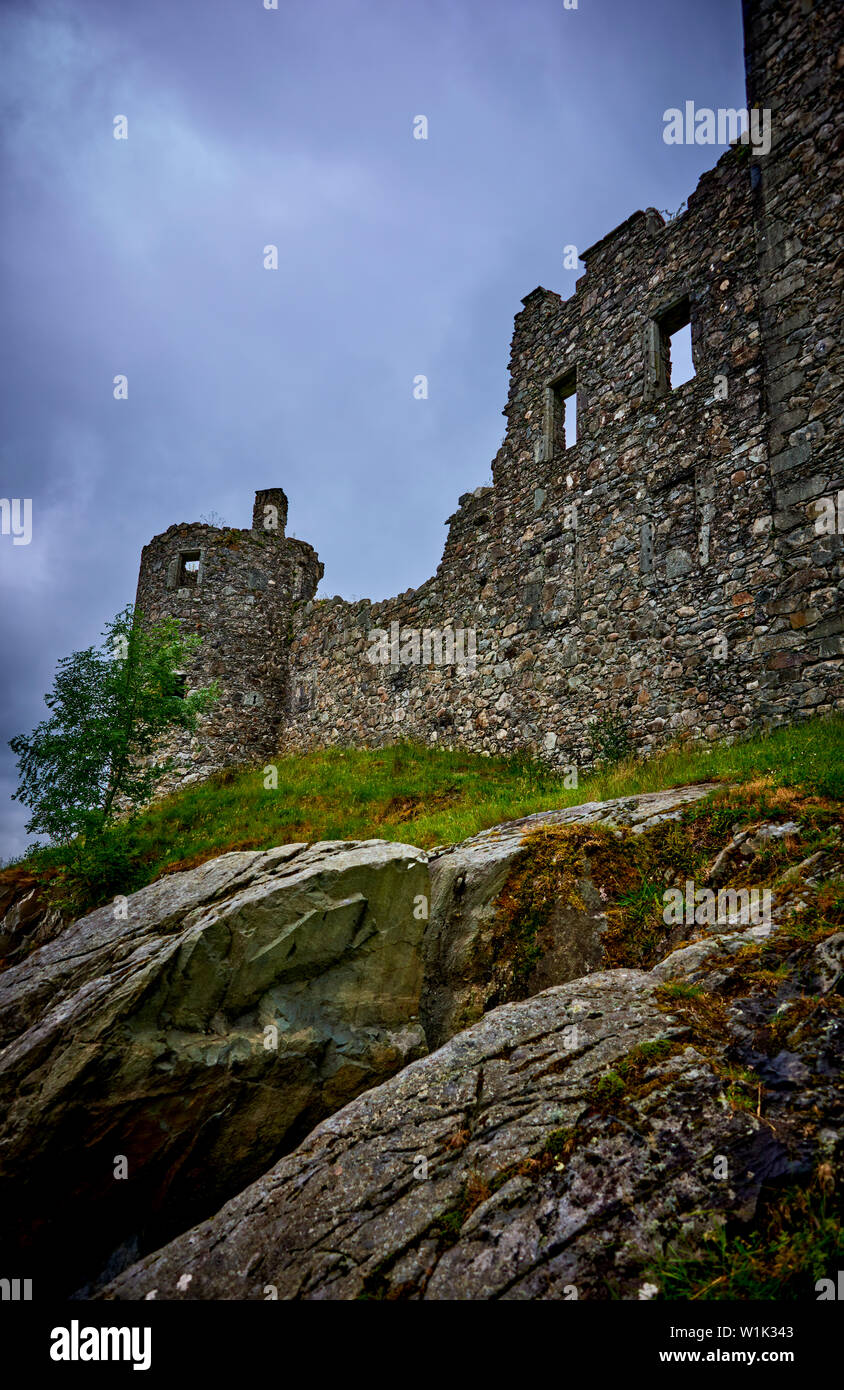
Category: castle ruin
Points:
column 680, row 563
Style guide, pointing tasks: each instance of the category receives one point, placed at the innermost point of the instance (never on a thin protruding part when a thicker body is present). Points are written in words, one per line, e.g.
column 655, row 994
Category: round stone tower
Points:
column 235, row 589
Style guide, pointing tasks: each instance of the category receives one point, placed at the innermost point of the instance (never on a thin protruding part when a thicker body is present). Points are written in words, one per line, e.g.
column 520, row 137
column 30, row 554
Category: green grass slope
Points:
column 426, row 796
column 406, row 792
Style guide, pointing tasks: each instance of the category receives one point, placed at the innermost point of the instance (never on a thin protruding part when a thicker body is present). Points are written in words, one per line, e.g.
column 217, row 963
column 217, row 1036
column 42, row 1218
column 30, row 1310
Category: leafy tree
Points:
column 110, row 707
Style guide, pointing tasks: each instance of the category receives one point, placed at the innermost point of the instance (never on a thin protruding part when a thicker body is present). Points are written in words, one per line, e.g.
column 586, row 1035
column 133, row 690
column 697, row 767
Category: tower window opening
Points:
column 188, row 568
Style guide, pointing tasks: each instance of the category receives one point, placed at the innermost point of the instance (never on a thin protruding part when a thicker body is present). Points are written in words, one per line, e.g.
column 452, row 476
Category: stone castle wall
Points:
column 667, row 566
column 794, row 56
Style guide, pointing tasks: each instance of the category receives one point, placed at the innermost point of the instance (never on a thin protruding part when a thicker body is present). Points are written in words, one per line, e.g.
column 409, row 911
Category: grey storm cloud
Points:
column 396, row 257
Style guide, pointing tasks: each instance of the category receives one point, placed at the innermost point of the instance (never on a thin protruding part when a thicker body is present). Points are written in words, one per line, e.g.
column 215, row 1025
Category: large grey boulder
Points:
column 467, row 881
column 164, row 1050
column 557, row 1149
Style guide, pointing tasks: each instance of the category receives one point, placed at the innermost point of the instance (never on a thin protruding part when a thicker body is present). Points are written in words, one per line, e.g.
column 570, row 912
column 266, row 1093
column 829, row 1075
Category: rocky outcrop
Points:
column 559, row 1148
column 165, row 1049
column 27, row 919
column 161, row 1059
column 467, row 881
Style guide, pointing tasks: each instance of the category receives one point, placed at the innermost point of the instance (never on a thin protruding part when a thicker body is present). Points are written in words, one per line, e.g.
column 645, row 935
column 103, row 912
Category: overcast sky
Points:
column 397, row 257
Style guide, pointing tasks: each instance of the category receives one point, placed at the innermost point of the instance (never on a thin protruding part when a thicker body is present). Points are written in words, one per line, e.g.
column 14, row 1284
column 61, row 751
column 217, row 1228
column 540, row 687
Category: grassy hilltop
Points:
column 423, row 796
column 427, row 797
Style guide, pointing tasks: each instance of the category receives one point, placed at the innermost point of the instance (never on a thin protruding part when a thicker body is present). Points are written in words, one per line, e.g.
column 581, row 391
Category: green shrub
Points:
column 90, row 871
column 609, row 739
column 796, row 1241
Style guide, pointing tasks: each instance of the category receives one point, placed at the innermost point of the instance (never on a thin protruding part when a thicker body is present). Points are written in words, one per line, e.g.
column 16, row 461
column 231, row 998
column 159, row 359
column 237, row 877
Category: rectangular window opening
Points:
column 188, row 568
column 561, row 414
column 682, row 367
column 675, row 331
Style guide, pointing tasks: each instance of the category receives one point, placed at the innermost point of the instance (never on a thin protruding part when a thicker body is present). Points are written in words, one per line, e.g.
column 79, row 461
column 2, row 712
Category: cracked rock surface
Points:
column 190, row 1042
column 495, row 1168
column 466, row 884
column 159, row 1068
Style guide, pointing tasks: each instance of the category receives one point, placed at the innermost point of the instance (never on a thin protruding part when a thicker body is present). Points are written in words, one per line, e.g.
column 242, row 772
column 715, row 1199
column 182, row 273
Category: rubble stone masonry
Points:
column 671, row 565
